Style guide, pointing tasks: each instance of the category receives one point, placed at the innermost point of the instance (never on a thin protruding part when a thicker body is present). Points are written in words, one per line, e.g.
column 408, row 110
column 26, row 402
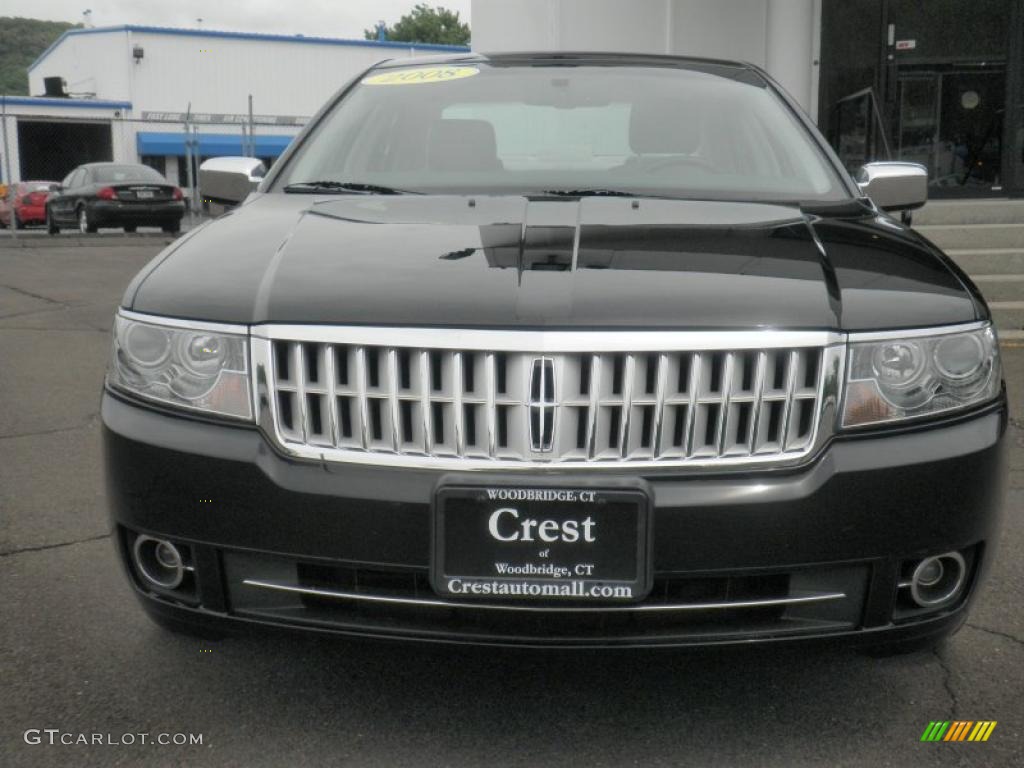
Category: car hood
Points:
column 495, row 262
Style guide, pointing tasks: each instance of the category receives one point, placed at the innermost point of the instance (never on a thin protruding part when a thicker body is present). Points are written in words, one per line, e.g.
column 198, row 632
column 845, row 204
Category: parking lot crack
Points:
column 32, row 295
column 44, row 547
column 88, row 422
column 997, row 633
column 947, row 683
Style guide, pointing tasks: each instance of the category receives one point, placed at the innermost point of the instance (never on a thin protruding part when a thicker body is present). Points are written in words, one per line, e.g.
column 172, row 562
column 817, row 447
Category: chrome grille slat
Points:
column 389, row 403
column 595, row 410
column 396, row 419
column 691, row 409
column 629, row 370
column 426, row 415
column 755, row 416
column 331, row 383
column 492, row 414
column 363, row 383
column 458, row 417
column 723, row 408
column 659, row 406
column 299, row 359
column 787, row 408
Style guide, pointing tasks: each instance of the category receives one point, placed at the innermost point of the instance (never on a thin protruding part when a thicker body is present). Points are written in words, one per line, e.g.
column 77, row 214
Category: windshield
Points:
column 112, row 173
column 715, row 132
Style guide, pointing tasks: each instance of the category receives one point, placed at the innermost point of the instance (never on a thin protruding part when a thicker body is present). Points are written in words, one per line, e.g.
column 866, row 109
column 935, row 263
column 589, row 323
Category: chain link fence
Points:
column 40, row 150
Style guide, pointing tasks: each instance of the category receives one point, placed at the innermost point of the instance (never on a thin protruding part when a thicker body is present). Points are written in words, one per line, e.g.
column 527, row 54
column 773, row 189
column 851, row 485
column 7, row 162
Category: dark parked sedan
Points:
column 559, row 350
column 114, row 195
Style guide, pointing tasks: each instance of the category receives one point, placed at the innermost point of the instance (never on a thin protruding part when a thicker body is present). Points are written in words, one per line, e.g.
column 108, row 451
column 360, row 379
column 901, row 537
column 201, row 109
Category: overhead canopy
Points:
column 210, row 144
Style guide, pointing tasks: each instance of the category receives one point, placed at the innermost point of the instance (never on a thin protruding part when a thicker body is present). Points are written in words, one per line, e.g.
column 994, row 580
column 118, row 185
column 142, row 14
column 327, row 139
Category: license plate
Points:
column 144, row 194
column 539, row 542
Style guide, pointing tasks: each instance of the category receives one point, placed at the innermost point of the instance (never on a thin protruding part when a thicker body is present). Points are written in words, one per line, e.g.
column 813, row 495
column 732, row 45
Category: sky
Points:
column 324, row 18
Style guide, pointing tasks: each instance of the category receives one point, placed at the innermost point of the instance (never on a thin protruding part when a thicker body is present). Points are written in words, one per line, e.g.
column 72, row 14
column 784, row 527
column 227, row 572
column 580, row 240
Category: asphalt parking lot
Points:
column 77, row 654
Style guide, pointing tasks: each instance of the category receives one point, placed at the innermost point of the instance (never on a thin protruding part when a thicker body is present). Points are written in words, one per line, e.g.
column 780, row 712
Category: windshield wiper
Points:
column 597, row 192
column 328, row 186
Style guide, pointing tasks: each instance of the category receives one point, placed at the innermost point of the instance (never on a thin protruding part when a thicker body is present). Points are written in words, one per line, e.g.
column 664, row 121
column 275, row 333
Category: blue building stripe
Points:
column 210, row 144
column 43, row 101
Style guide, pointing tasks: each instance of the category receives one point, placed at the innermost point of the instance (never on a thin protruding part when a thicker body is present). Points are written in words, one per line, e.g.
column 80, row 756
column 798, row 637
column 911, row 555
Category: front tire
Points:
column 18, row 223
column 172, row 227
column 51, row 228
column 84, row 225
column 130, row 229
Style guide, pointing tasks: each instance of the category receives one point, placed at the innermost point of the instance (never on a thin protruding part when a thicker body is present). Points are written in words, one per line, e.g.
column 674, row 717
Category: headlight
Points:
column 903, row 378
column 205, row 368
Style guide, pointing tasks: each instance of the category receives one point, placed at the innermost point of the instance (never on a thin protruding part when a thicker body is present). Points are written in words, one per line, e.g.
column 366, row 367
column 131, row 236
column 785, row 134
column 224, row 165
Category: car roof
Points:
column 527, row 58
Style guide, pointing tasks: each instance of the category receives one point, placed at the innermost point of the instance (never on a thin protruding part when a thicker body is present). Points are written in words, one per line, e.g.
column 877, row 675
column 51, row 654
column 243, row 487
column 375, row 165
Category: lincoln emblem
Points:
column 542, row 405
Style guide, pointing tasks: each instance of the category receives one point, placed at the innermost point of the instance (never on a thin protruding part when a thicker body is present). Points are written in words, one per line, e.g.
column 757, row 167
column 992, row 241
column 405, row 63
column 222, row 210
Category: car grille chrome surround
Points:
column 480, row 399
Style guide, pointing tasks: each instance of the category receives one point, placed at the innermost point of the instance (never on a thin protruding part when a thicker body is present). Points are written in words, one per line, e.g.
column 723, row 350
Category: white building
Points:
column 131, row 87
column 939, row 83
column 782, row 36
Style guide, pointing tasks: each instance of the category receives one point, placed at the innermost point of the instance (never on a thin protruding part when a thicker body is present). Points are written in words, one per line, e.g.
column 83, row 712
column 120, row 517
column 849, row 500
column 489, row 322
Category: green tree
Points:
column 21, row 41
column 426, row 25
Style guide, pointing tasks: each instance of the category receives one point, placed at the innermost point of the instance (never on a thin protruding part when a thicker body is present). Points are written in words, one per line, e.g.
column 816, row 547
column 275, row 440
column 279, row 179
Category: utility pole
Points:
column 7, row 160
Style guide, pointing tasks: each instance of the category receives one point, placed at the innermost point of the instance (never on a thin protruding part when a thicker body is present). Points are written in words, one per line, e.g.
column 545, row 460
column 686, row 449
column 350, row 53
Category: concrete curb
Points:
column 77, row 240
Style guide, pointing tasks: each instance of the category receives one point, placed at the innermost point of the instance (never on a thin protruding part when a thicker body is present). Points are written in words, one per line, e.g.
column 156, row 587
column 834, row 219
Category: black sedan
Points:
column 558, row 350
column 114, row 195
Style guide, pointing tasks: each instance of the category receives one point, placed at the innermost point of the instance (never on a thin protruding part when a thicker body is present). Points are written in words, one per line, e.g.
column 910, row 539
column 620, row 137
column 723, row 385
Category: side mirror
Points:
column 894, row 186
column 229, row 180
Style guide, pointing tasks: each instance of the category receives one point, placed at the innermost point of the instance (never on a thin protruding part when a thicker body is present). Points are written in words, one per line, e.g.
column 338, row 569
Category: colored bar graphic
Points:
column 958, row 730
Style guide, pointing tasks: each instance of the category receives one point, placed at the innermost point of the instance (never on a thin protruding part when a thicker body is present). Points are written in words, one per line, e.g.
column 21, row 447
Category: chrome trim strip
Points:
column 460, row 339
column 438, row 603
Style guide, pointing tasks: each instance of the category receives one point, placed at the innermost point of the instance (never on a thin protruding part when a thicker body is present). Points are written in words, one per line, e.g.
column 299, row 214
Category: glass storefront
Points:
column 937, row 83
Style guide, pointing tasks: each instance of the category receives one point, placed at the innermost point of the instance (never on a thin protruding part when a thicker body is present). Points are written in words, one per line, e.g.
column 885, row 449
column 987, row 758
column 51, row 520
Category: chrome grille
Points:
column 471, row 406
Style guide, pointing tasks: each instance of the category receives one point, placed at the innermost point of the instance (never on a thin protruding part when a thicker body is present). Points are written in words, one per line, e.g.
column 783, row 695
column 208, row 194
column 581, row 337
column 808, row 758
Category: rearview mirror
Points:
column 230, row 179
column 894, row 186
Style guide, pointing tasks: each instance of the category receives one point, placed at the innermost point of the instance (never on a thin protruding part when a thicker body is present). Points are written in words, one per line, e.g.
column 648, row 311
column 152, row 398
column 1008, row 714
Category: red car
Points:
column 25, row 203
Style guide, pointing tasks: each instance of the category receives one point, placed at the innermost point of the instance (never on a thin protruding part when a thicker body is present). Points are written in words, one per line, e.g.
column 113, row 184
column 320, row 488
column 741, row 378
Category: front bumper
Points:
column 845, row 524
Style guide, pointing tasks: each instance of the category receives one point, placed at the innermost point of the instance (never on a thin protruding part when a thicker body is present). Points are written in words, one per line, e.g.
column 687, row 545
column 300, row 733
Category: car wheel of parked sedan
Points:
column 52, row 228
column 173, row 227
column 18, row 223
column 84, row 225
column 130, row 229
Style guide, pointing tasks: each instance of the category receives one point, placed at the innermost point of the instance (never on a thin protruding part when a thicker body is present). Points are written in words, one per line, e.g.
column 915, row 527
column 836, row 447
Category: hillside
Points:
column 21, row 41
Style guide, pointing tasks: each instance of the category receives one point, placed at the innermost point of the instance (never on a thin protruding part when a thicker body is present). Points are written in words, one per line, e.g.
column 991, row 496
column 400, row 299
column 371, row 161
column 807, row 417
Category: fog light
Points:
column 159, row 562
column 930, row 572
column 937, row 580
